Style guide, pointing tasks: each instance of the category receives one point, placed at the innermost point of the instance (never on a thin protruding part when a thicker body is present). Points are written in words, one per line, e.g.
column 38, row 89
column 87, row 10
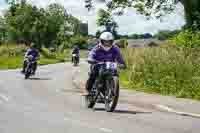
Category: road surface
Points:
column 49, row 103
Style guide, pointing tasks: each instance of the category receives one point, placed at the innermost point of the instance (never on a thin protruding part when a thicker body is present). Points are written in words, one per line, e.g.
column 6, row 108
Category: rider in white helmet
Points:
column 105, row 50
column 106, row 40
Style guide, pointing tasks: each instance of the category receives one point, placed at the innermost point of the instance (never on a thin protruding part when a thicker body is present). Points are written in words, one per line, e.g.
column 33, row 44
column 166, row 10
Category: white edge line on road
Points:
column 5, row 98
column 166, row 108
column 105, row 130
column 88, row 125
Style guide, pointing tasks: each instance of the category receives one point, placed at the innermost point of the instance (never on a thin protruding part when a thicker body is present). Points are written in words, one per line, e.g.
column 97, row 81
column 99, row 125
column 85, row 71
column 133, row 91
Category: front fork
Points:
column 29, row 67
column 98, row 91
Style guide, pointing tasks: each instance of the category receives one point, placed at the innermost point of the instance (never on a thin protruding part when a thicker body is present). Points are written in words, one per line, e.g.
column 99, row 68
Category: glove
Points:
column 91, row 61
column 122, row 66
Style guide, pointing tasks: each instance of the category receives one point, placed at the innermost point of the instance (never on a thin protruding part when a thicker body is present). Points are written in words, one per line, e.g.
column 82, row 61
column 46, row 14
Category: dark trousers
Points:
column 94, row 69
column 75, row 57
column 25, row 65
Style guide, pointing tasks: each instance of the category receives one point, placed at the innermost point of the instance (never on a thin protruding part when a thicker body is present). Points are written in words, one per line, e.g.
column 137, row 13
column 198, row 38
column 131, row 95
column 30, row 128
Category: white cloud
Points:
column 2, row 10
column 130, row 22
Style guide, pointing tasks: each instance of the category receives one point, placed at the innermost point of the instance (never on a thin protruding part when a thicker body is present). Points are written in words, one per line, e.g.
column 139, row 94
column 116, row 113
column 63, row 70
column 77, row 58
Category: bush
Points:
column 165, row 35
column 123, row 43
column 187, row 39
column 80, row 41
column 12, row 50
column 168, row 71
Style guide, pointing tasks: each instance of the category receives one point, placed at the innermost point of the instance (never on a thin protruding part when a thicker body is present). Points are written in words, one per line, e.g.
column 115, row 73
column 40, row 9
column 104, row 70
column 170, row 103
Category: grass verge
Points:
column 166, row 71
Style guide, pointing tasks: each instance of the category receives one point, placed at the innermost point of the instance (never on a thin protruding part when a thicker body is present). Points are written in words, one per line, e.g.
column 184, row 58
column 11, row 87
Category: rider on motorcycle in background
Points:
column 105, row 50
column 76, row 52
column 31, row 51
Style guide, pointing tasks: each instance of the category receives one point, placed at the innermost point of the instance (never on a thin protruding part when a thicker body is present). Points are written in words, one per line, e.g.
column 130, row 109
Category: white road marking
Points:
column 4, row 98
column 163, row 107
column 106, row 130
column 57, row 91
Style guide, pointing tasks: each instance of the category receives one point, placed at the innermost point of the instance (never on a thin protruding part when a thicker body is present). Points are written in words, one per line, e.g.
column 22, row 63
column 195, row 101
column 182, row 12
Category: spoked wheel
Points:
column 112, row 94
column 89, row 99
column 27, row 73
column 75, row 62
column 26, row 76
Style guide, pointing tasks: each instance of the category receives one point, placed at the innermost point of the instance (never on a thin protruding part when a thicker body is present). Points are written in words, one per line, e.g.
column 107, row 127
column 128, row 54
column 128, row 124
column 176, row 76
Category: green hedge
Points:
column 188, row 39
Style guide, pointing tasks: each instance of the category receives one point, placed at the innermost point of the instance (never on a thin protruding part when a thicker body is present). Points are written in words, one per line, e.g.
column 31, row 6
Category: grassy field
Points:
column 167, row 71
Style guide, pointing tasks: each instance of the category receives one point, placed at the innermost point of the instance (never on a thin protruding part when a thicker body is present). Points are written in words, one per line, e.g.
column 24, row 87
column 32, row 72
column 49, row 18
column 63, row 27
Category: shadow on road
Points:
column 130, row 112
column 124, row 111
column 40, row 78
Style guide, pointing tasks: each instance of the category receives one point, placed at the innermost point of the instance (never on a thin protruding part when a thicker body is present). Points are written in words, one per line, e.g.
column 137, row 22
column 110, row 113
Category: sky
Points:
column 129, row 23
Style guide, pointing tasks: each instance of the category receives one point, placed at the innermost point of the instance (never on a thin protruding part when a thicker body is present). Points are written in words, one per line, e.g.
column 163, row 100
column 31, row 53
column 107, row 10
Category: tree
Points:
column 20, row 22
column 2, row 29
column 88, row 4
column 55, row 14
column 106, row 20
column 164, row 35
column 98, row 33
column 45, row 27
column 158, row 8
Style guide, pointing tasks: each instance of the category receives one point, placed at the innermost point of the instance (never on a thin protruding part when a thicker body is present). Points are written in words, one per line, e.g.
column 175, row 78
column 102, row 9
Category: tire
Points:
column 27, row 75
column 74, row 61
column 89, row 99
column 88, row 102
column 27, row 71
column 114, row 83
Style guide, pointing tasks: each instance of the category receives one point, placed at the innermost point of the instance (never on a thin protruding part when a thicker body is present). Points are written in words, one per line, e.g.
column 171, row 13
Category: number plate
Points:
column 111, row 65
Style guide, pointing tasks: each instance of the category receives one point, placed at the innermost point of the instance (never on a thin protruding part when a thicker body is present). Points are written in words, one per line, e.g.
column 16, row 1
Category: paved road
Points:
column 49, row 103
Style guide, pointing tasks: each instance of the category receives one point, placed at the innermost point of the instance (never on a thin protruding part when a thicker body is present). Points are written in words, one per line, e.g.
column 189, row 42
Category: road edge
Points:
column 171, row 110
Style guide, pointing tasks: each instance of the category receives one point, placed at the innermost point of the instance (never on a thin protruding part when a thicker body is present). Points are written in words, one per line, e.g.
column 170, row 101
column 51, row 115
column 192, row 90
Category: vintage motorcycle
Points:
column 105, row 88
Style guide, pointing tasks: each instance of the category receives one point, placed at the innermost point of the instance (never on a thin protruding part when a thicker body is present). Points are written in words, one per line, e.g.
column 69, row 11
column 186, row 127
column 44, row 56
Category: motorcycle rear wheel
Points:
column 89, row 100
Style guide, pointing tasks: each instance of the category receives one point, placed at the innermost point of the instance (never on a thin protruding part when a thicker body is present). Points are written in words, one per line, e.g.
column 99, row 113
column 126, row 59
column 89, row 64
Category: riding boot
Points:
column 34, row 68
column 24, row 67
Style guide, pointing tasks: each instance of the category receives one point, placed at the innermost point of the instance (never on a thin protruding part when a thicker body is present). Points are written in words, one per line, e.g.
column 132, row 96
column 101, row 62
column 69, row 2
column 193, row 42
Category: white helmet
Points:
column 107, row 36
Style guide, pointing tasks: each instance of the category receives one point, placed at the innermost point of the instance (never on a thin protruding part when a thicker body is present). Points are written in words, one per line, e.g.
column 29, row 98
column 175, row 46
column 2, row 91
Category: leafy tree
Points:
column 187, row 39
column 158, row 8
column 104, row 17
column 45, row 27
column 106, row 20
column 21, row 23
column 2, row 29
column 98, row 33
column 80, row 41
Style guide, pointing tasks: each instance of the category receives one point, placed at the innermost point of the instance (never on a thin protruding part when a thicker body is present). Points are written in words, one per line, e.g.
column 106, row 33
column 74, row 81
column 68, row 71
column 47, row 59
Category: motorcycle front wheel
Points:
column 89, row 102
column 111, row 94
column 27, row 72
column 27, row 75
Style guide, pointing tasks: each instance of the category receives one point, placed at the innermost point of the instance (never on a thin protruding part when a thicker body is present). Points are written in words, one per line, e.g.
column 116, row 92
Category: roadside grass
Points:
column 10, row 62
column 167, row 71
column 17, row 61
column 11, row 56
